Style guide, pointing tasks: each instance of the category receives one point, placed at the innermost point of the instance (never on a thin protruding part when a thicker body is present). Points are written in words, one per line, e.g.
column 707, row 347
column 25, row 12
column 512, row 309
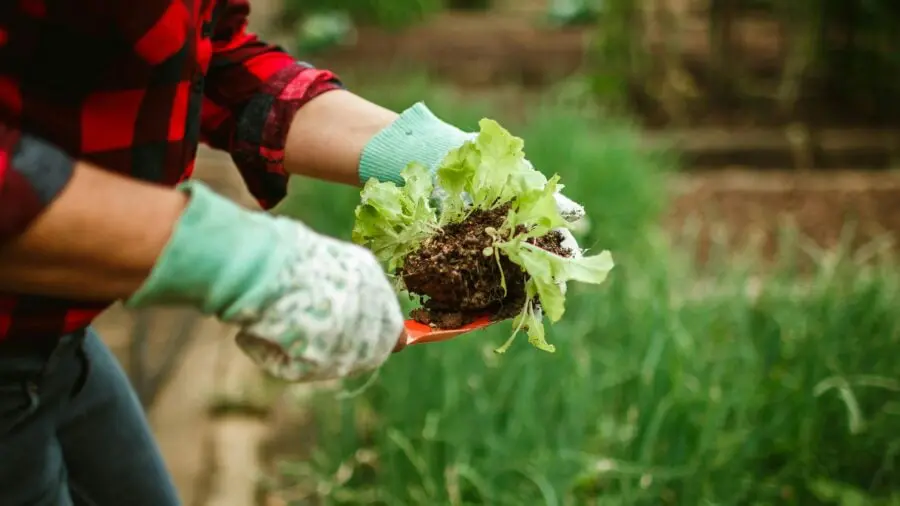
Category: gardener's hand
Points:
column 309, row 307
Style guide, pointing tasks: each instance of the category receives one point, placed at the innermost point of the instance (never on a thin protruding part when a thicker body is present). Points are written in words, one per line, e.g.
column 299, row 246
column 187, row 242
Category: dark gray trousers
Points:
column 72, row 432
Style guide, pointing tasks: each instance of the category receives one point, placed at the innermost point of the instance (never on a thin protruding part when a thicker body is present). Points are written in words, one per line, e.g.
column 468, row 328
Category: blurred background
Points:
column 736, row 156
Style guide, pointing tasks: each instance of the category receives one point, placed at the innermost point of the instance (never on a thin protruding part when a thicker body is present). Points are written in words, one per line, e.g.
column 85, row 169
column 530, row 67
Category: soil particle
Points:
column 459, row 283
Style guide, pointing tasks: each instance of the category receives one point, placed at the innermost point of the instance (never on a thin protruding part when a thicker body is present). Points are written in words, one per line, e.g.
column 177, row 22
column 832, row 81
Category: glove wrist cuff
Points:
column 417, row 135
column 211, row 262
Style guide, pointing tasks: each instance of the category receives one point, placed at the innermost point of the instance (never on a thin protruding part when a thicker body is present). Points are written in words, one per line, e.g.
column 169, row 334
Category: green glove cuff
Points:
column 416, row 136
column 214, row 258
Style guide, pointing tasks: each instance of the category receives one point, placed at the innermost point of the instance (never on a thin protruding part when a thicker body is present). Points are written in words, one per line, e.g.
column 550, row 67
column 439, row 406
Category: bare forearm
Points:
column 328, row 135
column 98, row 240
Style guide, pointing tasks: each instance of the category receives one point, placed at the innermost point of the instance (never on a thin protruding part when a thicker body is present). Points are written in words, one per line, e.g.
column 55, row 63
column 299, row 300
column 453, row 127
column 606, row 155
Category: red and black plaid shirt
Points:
column 133, row 86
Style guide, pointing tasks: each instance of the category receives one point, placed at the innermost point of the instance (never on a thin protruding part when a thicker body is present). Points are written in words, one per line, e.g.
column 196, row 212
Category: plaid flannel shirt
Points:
column 133, row 86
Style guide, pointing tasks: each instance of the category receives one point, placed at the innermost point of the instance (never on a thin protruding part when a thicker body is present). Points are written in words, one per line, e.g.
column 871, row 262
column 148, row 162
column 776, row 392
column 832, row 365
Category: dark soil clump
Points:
column 459, row 282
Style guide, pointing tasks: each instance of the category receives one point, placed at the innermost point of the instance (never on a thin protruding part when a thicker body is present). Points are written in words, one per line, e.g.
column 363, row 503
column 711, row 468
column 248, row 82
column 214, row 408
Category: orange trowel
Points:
column 420, row 333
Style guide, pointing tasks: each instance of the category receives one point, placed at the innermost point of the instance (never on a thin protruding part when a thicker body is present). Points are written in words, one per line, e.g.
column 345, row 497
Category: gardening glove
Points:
column 420, row 136
column 308, row 307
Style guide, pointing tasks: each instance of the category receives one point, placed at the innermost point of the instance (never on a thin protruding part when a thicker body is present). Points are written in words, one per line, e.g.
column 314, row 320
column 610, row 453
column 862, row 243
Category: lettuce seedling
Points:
column 488, row 241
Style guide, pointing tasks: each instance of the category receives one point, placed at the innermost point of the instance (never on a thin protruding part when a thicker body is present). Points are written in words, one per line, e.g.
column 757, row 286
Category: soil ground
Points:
column 822, row 206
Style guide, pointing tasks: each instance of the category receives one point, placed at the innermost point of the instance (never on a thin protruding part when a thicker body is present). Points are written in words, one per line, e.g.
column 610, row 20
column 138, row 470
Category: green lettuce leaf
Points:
column 529, row 319
column 550, row 272
column 548, row 275
column 485, row 173
column 454, row 176
column 393, row 221
column 535, row 209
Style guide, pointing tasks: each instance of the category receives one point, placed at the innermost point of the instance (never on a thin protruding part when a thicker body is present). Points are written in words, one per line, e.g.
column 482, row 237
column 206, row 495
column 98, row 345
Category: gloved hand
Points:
column 309, row 307
column 420, row 136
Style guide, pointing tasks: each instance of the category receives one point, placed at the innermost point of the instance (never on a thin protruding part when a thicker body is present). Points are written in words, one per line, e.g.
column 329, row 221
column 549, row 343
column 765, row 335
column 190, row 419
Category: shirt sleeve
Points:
column 32, row 173
column 253, row 89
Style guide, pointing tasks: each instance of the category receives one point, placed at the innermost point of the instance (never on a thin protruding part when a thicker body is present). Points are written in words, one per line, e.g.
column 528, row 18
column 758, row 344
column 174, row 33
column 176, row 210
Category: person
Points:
column 102, row 106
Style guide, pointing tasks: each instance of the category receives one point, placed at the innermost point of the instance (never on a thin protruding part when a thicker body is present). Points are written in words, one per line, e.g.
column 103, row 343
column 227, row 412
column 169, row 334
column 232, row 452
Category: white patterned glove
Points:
column 333, row 314
column 309, row 307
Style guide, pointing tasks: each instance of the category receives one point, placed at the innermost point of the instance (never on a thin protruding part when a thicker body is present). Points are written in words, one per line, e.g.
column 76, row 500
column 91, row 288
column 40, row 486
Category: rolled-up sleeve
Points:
column 253, row 90
column 32, row 173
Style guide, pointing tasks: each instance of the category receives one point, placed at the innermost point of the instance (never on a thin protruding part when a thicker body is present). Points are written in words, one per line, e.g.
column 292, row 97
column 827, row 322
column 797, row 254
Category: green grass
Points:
column 660, row 392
